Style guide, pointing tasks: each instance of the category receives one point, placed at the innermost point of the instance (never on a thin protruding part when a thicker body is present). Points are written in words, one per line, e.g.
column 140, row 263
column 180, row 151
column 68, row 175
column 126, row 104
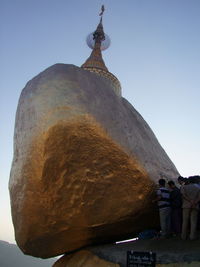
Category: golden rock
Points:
column 85, row 164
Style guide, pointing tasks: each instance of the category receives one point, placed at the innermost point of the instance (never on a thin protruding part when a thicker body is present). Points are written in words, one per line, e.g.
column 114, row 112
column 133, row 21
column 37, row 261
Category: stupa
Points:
column 99, row 41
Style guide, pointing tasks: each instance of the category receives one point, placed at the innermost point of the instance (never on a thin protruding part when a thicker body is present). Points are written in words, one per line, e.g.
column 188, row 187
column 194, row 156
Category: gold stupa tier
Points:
column 95, row 62
column 112, row 79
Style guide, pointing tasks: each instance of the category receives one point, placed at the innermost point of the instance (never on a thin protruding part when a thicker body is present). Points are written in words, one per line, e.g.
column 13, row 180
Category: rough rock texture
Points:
column 84, row 164
column 83, row 258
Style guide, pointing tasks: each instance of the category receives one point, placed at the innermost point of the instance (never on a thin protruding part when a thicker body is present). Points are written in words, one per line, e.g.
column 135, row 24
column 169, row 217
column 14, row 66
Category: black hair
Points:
column 161, row 182
column 171, row 183
column 181, row 178
column 194, row 179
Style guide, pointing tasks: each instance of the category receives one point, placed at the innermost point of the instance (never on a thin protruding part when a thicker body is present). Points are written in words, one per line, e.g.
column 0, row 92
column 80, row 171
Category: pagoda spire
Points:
column 95, row 60
column 99, row 41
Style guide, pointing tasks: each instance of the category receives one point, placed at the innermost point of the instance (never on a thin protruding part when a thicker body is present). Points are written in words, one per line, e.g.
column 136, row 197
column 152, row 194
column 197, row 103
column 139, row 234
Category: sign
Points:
column 141, row 259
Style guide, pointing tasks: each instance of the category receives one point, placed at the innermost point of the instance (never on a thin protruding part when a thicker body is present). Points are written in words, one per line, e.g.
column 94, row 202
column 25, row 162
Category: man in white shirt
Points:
column 191, row 197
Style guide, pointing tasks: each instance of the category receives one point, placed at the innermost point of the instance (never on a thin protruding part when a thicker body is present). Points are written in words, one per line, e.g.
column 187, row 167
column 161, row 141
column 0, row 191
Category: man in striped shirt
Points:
column 163, row 200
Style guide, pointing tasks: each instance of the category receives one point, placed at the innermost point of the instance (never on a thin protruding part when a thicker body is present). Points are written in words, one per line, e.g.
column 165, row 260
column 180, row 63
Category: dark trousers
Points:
column 176, row 220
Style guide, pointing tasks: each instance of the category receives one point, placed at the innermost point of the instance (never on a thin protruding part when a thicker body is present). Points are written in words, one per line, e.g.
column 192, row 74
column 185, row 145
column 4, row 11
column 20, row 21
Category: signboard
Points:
column 141, row 259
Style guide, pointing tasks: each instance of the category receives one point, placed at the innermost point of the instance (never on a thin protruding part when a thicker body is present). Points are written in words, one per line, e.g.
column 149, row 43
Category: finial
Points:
column 102, row 10
column 99, row 36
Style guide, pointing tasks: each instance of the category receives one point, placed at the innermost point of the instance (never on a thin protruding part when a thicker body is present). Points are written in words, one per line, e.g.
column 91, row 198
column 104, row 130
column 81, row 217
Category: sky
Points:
column 154, row 53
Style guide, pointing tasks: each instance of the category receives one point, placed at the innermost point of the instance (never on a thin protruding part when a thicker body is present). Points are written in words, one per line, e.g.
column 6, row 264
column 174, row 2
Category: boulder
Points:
column 85, row 164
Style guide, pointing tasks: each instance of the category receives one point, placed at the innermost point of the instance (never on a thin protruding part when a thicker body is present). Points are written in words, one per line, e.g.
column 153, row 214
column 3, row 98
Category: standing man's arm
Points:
column 158, row 197
column 184, row 195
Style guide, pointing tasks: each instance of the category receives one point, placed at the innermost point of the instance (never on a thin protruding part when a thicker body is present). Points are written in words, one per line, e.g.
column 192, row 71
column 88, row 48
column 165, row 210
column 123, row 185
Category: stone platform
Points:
column 169, row 252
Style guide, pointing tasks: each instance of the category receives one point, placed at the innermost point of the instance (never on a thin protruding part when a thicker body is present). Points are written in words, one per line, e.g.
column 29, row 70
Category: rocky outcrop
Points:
column 85, row 164
column 83, row 258
column 172, row 252
column 169, row 252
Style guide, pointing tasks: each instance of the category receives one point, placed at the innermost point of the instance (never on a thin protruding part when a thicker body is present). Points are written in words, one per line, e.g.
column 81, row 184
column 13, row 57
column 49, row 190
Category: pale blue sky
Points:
column 154, row 52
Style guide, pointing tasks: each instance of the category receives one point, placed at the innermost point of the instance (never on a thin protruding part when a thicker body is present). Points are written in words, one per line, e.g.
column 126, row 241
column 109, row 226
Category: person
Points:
column 163, row 200
column 196, row 181
column 190, row 197
column 182, row 180
column 176, row 208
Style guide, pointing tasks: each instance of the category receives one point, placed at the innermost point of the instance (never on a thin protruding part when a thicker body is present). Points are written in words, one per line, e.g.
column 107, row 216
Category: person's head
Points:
column 193, row 179
column 171, row 184
column 181, row 180
column 161, row 182
column 186, row 181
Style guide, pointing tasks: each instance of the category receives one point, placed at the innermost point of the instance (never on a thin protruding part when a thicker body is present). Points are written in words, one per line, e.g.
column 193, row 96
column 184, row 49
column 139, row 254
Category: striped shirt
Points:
column 164, row 202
